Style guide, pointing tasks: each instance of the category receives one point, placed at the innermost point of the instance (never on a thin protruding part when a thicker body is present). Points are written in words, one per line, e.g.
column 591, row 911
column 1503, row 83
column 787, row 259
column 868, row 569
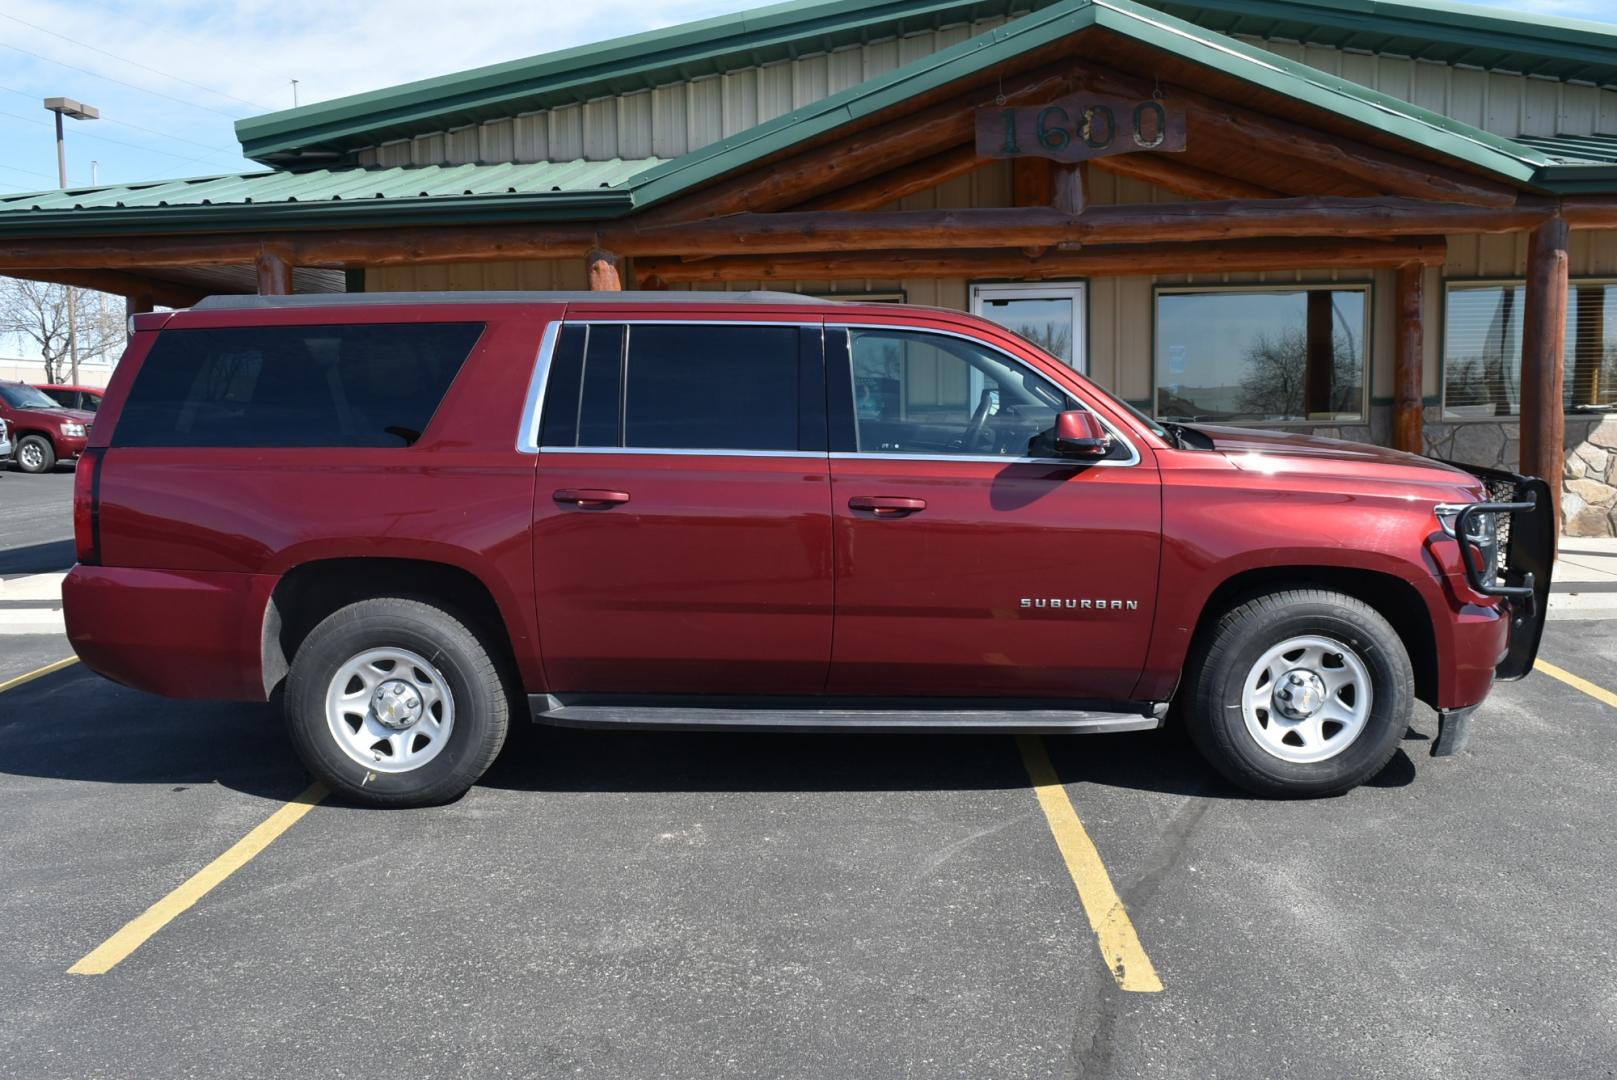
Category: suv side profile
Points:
column 415, row 516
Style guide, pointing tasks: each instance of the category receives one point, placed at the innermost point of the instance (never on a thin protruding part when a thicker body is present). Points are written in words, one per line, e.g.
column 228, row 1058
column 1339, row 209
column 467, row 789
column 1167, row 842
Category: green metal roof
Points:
column 443, row 194
column 1454, row 33
column 1523, row 42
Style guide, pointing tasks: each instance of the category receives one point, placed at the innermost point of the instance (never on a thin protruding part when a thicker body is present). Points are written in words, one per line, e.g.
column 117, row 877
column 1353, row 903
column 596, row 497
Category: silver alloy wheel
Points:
column 390, row 710
column 30, row 457
column 1307, row 699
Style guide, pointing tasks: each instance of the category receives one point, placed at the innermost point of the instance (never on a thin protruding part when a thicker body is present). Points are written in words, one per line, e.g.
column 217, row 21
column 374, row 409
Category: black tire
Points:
column 481, row 700
column 1216, row 680
column 35, row 454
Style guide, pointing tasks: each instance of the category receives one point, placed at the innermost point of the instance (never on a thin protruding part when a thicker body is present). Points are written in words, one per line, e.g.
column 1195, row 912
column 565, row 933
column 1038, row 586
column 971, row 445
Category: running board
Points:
column 693, row 713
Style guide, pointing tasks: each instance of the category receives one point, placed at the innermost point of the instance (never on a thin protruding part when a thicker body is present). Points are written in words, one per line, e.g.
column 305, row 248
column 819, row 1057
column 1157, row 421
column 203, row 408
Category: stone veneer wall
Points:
column 1589, row 479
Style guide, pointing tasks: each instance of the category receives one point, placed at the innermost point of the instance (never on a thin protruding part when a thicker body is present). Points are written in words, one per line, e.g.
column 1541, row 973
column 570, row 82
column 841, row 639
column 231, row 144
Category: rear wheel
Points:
column 1300, row 693
column 395, row 702
column 35, row 454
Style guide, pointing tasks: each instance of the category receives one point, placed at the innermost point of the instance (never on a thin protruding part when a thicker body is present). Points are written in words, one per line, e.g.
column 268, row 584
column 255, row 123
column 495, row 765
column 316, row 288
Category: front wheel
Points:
column 35, row 454
column 395, row 702
column 1300, row 693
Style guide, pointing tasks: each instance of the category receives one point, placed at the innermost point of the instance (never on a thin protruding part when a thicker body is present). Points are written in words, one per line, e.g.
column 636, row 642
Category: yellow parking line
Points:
column 1119, row 944
column 37, row 673
column 104, row 957
column 1599, row 693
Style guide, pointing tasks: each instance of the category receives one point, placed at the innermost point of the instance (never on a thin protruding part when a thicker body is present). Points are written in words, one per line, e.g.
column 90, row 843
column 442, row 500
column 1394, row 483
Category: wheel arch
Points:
column 1394, row 598
column 310, row 591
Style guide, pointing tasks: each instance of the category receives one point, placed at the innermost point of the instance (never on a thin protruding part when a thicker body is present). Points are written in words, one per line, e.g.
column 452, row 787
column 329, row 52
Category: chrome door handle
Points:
column 887, row 505
column 591, row 498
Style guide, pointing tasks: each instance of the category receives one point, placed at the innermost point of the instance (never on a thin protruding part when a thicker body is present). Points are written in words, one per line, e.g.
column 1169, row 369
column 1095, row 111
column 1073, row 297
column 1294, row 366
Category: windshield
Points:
column 19, row 396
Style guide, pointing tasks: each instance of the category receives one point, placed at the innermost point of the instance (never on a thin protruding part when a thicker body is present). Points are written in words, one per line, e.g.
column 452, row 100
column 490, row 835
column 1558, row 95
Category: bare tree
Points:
column 1276, row 379
column 38, row 312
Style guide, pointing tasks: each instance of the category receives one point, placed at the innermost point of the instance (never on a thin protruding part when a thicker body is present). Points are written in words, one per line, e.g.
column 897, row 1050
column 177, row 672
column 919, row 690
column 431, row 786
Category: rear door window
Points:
column 368, row 384
column 697, row 386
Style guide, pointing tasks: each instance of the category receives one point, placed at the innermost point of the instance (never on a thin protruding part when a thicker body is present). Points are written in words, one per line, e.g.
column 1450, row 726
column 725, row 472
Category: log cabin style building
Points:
column 1394, row 222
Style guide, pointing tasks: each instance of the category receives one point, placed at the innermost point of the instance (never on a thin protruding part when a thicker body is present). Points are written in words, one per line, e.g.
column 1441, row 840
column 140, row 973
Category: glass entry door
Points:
column 1050, row 316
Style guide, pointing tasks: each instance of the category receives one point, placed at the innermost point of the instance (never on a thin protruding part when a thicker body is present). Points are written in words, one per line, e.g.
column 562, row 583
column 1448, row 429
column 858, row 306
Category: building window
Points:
column 1482, row 348
column 1289, row 354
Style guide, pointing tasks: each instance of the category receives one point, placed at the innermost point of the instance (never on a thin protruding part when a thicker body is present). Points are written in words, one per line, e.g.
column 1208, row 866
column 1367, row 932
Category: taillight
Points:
column 87, row 507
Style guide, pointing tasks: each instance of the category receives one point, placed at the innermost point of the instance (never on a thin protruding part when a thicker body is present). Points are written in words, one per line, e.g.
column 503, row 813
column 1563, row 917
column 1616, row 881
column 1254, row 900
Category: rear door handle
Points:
column 887, row 505
column 591, row 498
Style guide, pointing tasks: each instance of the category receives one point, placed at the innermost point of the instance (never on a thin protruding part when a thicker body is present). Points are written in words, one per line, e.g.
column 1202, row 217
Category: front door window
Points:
column 1050, row 316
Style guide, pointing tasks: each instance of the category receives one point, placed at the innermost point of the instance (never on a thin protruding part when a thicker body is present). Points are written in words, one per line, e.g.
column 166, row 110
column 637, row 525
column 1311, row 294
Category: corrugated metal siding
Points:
column 1508, row 105
column 674, row 119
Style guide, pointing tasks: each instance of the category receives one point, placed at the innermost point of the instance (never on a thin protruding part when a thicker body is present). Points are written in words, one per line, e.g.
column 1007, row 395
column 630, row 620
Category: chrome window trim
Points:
column 528, row 433
column 807, row 455
column 1131, row 460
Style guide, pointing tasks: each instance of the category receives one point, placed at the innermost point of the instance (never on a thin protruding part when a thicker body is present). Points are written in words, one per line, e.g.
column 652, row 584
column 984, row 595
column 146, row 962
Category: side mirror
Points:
column 1079, row 434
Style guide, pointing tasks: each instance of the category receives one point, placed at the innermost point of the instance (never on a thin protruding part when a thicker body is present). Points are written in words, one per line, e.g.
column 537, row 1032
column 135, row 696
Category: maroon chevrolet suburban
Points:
column 412, row 517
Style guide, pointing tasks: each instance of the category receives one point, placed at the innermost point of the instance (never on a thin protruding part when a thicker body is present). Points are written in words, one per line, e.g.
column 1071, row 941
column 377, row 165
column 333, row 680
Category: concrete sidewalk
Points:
column 1585, row 581
column 31, row 604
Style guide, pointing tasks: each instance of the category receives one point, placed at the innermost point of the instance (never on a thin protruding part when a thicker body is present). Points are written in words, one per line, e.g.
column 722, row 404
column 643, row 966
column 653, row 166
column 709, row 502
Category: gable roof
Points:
column 1431, row 29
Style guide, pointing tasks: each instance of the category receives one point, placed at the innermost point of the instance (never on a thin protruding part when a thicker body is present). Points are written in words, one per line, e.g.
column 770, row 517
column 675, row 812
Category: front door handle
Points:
column 887, row 505
column 591, row 498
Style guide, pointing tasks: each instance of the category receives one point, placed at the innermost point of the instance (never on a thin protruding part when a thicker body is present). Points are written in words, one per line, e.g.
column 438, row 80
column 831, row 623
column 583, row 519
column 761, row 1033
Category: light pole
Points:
column 62, row 106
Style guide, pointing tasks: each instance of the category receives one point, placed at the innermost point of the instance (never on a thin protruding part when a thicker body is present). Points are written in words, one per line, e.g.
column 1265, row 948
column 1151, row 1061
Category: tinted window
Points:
column 712, row 388
column 919, row 393
column 583, row 394
column 372, row 384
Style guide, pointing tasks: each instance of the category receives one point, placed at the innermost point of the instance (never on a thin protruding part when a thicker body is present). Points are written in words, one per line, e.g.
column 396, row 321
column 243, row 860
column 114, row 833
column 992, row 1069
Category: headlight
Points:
column 75, row 431
column 1482, row 530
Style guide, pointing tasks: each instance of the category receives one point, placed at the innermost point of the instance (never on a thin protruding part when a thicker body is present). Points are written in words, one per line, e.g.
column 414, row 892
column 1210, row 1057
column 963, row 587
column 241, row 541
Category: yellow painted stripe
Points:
column 1599, row 693
column 1119, row 944
column 37, row 673
column 109, row 953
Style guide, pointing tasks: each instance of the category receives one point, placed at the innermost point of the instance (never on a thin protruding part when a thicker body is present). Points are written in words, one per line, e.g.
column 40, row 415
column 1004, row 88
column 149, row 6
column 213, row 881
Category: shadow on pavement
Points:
column 74, row 725
column 58, row 555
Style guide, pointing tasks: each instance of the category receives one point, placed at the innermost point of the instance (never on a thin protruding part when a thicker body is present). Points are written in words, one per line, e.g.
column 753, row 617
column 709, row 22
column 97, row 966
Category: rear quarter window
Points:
column 371, row 384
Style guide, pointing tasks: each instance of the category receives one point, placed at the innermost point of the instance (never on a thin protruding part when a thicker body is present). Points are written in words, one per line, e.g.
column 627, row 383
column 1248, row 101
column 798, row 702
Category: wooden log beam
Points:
column 151, row 291
column 1220, row 123
column 274, row 271
column 1170, row 174
column 1543, row 419
column 1408, row 361
column 1102, row 261
column 790, row 232
column 893, row 185
column 602, row 268
column 811, row 231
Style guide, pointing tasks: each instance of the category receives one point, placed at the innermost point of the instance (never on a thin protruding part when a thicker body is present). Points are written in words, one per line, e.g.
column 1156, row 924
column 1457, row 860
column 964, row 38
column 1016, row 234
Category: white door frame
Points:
column 1052, row 290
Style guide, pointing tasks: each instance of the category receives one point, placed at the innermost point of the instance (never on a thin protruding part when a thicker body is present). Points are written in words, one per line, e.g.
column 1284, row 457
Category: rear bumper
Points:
column 179, row 633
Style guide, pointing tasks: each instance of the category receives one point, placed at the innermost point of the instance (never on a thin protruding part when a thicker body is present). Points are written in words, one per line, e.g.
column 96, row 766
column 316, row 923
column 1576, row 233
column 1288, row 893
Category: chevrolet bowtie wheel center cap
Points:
column 1300, row 694
column 396, row 704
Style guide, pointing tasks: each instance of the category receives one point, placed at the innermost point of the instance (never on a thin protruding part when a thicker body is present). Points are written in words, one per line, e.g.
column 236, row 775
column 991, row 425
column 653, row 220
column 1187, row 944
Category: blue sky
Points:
column 170, row 76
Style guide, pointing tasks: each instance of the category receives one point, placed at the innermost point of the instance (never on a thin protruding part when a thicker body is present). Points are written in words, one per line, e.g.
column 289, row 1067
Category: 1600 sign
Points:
column 1080, row 127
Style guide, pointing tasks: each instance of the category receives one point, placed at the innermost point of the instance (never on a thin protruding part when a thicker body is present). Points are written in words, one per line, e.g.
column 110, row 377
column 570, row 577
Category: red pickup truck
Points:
column 415, row 516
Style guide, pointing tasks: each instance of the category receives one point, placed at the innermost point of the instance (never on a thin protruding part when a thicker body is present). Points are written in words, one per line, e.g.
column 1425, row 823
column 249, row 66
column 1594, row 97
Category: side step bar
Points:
column 694, row 713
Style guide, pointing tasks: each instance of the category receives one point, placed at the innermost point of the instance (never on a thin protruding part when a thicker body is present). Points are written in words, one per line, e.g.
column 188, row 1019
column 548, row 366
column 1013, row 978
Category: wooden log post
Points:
column 603, row 271
column 1543, row 419
column 1408, row 361
column 138, row 304
column 274, row 273
column 1070, row 192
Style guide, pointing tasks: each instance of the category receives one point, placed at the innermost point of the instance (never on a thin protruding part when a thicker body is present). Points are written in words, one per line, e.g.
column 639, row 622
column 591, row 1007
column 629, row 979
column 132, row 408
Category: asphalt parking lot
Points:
column 706, row 905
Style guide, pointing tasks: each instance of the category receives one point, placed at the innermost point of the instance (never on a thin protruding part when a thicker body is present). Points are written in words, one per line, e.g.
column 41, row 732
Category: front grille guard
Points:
column 1524, row 559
